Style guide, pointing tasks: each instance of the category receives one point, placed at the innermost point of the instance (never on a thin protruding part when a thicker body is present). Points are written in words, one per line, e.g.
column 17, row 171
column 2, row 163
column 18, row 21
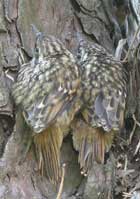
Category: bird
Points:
column 101, row 116
column 46, row 95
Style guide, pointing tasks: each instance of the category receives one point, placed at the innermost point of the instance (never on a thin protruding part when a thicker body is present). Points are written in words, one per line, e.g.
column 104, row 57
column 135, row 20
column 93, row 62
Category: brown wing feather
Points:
column 47, row 91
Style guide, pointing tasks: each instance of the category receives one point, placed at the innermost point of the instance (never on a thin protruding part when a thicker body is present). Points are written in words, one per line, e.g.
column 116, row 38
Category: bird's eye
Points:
column 37, row 50
column 79, row 53
column 78, row 56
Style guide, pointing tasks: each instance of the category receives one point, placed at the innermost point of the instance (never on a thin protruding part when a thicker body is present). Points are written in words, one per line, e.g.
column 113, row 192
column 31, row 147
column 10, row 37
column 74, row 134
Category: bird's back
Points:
column 47, row 92
column 44, row 89
column 104, row 87
column 103, row 95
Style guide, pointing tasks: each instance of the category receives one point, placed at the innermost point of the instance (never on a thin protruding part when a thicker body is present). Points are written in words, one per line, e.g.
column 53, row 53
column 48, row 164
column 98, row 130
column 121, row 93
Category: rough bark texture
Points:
column 108, row 22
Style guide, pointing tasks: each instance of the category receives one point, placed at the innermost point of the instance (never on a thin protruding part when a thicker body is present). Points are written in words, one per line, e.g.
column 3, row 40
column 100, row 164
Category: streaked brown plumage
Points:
column 103, row 95
column 47, row 93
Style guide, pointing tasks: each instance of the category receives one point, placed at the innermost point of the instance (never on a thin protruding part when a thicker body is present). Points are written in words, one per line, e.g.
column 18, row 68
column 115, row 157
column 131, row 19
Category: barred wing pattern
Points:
column 104, row 96
column 47, row 92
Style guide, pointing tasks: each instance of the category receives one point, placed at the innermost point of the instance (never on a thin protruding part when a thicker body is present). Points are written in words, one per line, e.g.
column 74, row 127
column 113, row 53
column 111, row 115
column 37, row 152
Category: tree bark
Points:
column 110, row 23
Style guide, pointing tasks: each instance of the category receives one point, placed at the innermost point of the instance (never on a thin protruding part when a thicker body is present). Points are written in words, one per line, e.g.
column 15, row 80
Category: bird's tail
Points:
column 47, row 146
column 92, row 143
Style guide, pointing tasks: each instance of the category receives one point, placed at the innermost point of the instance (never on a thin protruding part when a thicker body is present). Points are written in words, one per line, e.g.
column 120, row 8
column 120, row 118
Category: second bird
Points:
column 104, row 96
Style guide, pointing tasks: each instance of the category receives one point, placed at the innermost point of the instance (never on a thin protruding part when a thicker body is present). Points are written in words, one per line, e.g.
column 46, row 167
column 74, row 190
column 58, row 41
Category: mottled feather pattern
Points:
column 42, row 86
column 104, row 86
column 48, row 92
column 53, row 47
column 103, row 82
column 54, row 92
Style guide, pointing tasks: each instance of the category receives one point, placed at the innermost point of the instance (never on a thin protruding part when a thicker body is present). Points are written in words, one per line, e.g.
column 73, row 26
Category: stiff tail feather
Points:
column 92, row 143
column 47, row 146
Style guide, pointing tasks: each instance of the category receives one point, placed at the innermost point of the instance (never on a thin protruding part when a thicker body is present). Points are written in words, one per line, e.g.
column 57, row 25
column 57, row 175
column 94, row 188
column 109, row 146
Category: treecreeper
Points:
column 47, row 96
column 103, row 82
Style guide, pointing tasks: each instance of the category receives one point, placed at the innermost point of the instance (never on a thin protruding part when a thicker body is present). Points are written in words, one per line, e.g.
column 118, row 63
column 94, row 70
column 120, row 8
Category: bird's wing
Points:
column 109, row 110
column 104, row 92
column 47, row 91
column 48, row 94
column 94, row 135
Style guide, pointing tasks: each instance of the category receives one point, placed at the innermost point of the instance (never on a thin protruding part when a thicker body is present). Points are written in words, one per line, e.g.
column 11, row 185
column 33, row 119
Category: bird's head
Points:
column 83, row 51
column 40, row 48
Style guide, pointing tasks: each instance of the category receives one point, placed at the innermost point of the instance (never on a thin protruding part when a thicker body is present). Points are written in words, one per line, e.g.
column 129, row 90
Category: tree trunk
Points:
column 112, row 24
